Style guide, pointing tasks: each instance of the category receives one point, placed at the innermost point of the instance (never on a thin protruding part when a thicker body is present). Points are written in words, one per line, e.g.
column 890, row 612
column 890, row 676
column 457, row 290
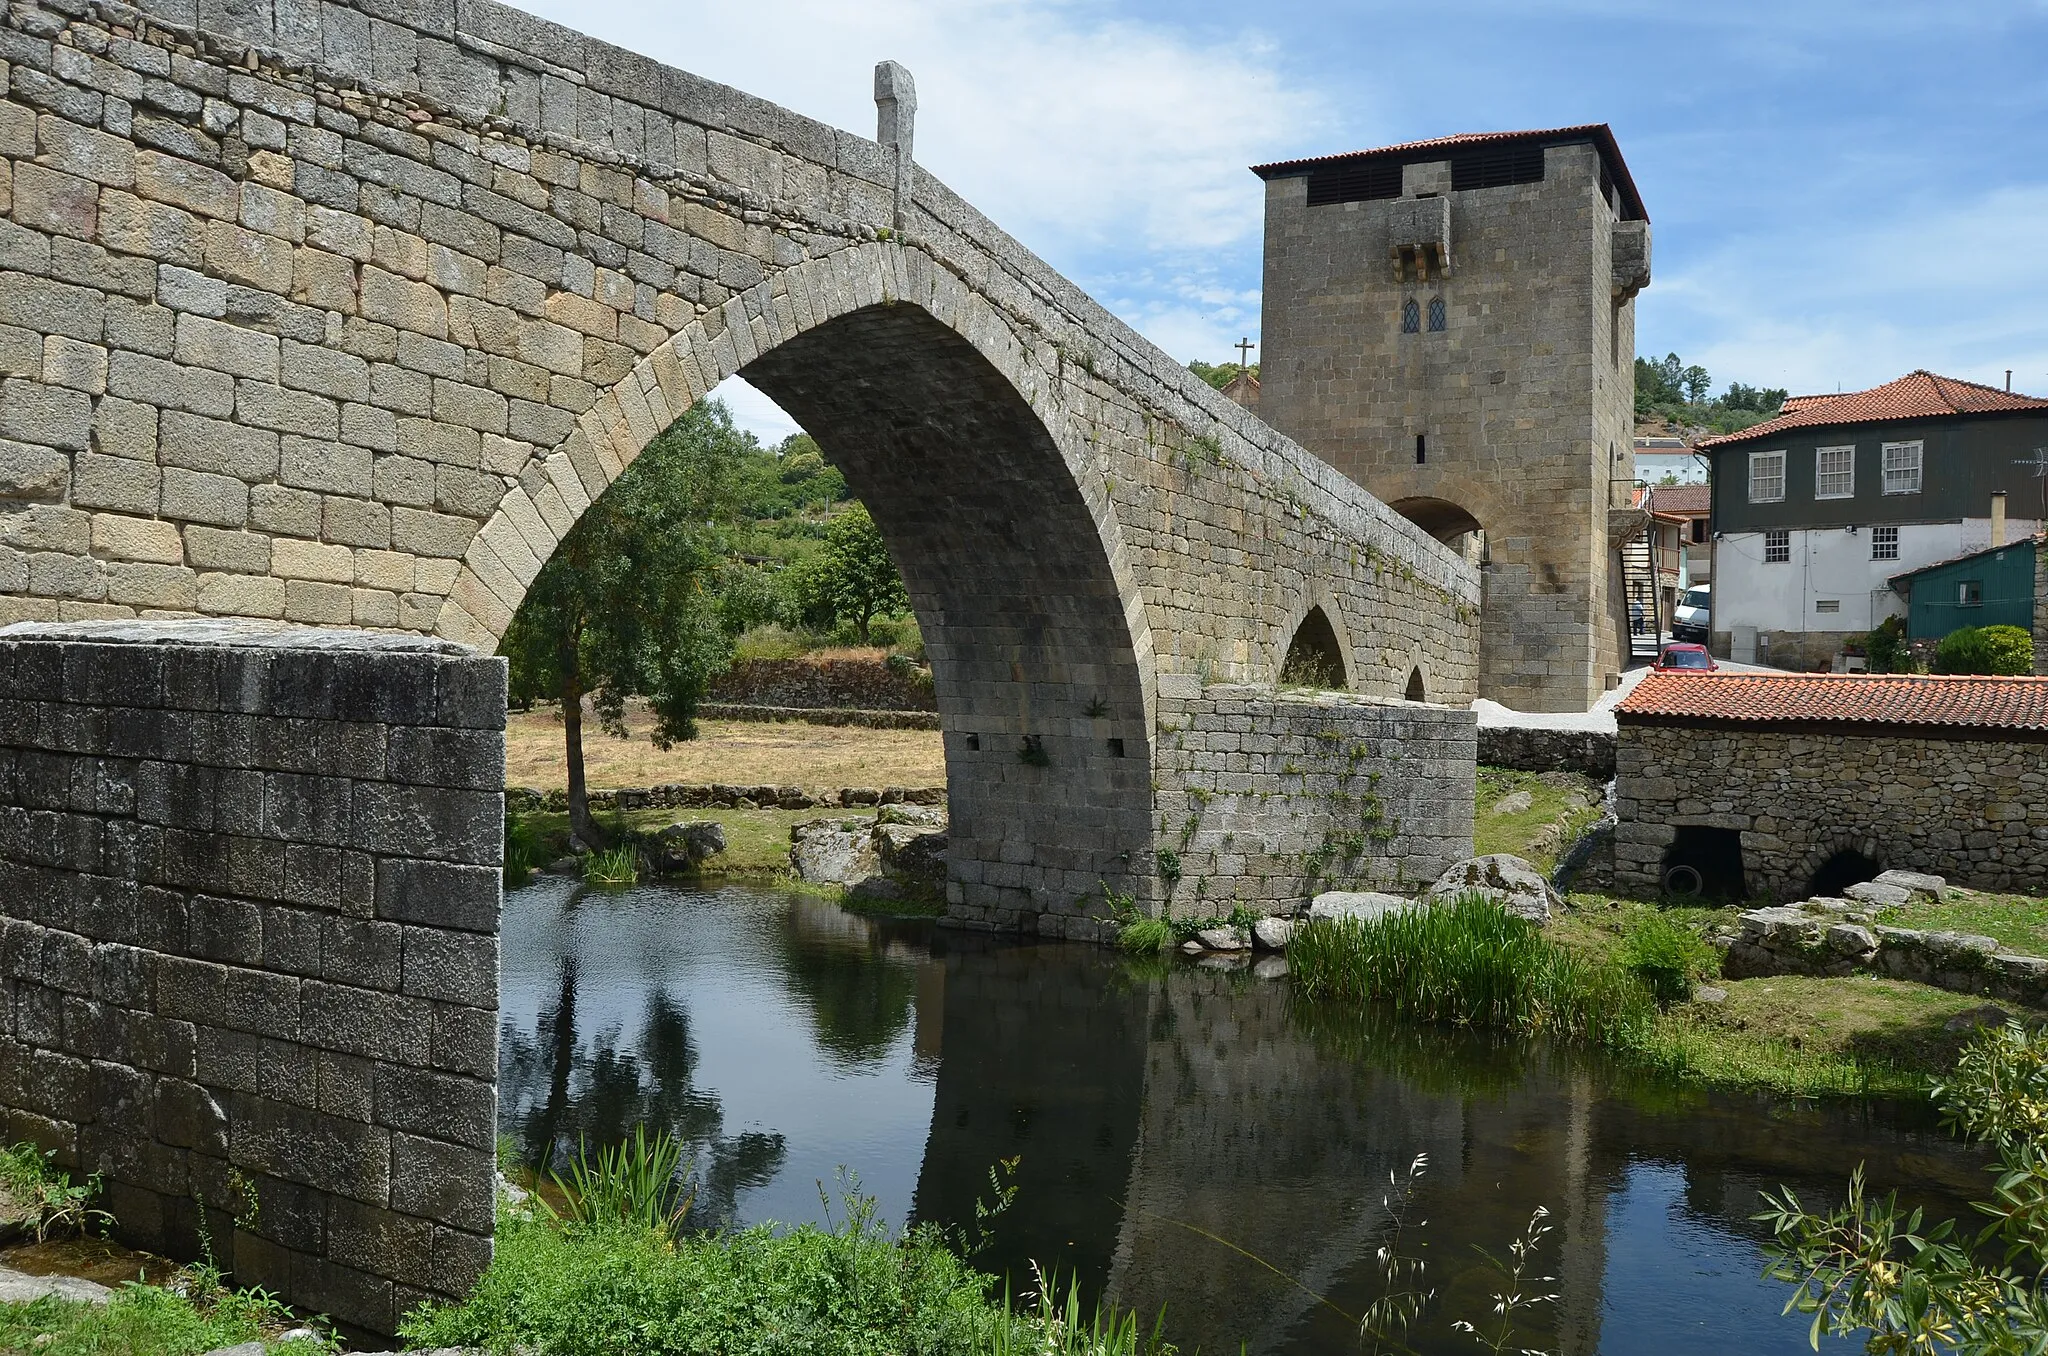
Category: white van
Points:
column 1692, row 619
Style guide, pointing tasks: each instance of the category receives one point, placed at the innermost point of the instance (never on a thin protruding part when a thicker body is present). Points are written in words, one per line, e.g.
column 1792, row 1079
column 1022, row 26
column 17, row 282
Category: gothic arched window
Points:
column 1436, row 315
column 1411, row 317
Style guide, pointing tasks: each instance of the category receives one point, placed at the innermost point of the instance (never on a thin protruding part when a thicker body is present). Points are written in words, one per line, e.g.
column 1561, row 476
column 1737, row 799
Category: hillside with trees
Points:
column 1676, row 392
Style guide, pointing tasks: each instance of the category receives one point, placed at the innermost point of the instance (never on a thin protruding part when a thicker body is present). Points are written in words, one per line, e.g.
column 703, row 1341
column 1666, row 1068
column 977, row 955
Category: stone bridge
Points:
column 336, row 316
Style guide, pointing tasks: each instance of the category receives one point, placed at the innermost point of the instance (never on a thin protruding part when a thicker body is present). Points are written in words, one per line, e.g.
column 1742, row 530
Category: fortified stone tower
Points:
column 1451, row 323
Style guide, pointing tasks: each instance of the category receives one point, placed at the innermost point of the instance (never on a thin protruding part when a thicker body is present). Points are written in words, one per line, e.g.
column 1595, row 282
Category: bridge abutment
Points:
column 248, row 962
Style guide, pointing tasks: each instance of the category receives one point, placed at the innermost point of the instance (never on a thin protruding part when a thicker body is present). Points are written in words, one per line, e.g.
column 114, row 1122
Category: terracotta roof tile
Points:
column 1599, row 133
column 1917, row 395
column 1888, row 699
column 1681, row 498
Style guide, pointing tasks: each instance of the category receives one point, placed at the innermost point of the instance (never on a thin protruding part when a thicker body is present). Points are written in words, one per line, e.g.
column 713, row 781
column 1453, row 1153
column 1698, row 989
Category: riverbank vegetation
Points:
column 1620, row 983
column 1874, row 1271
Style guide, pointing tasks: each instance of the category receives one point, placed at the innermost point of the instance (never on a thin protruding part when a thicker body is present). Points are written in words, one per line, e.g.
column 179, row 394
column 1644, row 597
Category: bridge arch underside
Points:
column 1036, row 669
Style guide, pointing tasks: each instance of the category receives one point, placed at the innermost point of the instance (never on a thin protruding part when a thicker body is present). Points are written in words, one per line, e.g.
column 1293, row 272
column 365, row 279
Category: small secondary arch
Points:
column 1315, row 655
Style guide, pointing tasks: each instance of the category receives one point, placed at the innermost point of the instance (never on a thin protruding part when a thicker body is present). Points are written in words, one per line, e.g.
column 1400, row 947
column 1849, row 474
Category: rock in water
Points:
column 687, row 845
column 1506, row 879
column 1364, row 905
column 1270, row 967
column 834, row 851
column 1273, row 934
column 1225, row 939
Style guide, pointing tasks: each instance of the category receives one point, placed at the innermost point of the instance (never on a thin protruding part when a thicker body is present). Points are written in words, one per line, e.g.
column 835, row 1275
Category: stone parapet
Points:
column 1534, row 749
column 1833, row 938
column 249, row 956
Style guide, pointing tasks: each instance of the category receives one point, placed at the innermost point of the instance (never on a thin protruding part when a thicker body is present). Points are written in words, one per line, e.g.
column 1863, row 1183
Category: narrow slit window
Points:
column 1411, row 317
column 1421, row 448
column 1437, row 315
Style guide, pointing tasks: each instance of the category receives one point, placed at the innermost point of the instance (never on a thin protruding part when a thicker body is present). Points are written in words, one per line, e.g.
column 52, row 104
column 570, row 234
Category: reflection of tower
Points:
column 1451, row 323
column 1582, row 1230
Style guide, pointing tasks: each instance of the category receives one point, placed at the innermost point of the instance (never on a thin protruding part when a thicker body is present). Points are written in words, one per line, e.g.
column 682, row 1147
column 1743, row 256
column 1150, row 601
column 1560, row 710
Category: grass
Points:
column 854, row 1288
column 733, row 752
column 756, row 841
column 196, row 1315
column 1594, row 977
column 2019, row 921
column 612, row 866
column 1562, row 806
column 39, row 1198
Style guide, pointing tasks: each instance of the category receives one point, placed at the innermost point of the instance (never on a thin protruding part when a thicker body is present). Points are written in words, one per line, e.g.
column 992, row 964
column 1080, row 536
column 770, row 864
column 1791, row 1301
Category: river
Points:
column 1185, row 1137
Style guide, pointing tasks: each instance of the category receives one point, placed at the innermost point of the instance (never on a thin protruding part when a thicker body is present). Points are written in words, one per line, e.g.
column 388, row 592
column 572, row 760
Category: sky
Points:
column 1838, row 192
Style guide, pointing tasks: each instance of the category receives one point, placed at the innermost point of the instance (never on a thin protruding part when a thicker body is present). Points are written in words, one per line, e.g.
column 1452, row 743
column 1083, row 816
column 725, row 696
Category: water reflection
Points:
column 1185, row 1138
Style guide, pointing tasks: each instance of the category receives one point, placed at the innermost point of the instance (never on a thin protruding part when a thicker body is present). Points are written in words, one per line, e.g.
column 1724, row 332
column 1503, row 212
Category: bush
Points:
column 1884, row 649
column 42, row 1195
column 1668, row 957
column 525, row 852
column 1985, row 649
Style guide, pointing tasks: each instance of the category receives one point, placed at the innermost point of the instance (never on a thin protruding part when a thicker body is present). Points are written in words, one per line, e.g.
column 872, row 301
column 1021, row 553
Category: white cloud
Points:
column 1957, row 287
column 1091, row 138
column 754, row 411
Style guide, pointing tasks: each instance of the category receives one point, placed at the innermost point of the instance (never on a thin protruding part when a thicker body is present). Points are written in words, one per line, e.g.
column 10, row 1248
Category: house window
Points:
column 1902, row 468
column 1699, row 529
column 1777, row 546
column 1970, row 593
column 1884, row 543
column 1827, row 605
column 1436, row 315
column 1411, row 317
column 1766, row 477
column 1834, row 473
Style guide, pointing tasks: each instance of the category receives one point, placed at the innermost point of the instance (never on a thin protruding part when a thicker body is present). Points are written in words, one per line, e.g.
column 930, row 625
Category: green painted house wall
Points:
column 2005, row 583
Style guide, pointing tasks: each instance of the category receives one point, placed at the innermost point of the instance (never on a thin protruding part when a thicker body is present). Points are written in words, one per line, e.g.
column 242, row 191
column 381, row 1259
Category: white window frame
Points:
column 1878, row 541
column 1786, row 532
column 1757, row 460
column 1893, row 474
column 1821, row 474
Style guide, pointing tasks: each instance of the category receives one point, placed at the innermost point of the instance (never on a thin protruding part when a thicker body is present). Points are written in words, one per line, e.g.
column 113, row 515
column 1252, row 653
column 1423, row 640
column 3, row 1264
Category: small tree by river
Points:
column 627, row 605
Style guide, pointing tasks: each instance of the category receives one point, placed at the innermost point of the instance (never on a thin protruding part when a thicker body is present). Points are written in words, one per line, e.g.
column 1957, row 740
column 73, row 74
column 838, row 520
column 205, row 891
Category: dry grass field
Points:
column 742, row 753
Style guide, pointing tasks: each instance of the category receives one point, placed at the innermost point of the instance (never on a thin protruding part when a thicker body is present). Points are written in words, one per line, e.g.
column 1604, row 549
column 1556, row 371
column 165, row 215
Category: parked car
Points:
column 1691, row 619
column 1692, row 658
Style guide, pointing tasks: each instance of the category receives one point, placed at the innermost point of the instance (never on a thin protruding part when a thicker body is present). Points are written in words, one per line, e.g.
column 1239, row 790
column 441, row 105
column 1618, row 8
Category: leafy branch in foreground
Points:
column 1871, row 1269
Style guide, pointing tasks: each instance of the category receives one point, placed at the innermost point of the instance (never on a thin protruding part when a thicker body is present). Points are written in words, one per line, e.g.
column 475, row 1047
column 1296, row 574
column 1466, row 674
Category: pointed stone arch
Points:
column 1012, row 559
column 1317, row 654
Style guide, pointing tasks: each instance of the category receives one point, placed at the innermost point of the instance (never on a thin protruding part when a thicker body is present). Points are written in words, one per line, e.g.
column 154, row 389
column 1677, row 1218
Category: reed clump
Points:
column 1472, row 963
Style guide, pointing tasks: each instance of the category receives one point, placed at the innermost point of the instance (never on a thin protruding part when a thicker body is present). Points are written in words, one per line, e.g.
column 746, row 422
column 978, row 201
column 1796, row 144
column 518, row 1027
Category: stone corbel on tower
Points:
column 1419, row 237
column 1631, row 255
column 895, row 122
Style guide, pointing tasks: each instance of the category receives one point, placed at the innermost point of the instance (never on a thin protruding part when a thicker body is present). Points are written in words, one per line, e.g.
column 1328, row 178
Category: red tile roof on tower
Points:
column 1852, row 698
column 1917, row 395
column 1599, row 133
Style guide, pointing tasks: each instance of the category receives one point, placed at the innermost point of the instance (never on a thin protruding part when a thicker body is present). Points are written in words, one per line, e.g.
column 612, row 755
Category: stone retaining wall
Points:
column 1269, row 797
column 1974, row 810
column 1814, row 939
column 249, row 956
column 682, row 796
column 857, row 684
column 1528, row 749
column 810, row 715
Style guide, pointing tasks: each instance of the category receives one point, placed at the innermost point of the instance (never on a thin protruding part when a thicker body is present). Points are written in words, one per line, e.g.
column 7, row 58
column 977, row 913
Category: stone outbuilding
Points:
column 1790, row 785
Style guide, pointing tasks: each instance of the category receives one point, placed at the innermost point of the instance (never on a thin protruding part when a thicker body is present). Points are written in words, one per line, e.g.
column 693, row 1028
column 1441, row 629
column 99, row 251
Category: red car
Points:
column 1687, row 656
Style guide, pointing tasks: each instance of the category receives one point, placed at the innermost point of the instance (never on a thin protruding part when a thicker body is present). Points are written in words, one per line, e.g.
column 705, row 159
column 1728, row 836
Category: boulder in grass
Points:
column 834, row 851
column 1367, row 906
column 687, row 845
column 1878, row 894
column 1506, row 879
column 1925, row 888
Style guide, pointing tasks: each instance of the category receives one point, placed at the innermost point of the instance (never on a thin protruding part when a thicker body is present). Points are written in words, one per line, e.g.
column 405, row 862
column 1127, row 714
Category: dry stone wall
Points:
column 341, row 315
column 248, row 945
column 1910, row 798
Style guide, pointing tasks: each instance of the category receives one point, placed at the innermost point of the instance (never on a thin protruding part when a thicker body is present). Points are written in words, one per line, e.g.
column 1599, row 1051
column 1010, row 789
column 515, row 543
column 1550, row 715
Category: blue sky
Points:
column 1838, row 192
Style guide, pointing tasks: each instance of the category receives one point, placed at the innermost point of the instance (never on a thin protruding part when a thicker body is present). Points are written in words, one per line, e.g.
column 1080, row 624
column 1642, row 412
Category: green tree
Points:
column 627, row 605
column 853, row 577
column 1220, row 375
